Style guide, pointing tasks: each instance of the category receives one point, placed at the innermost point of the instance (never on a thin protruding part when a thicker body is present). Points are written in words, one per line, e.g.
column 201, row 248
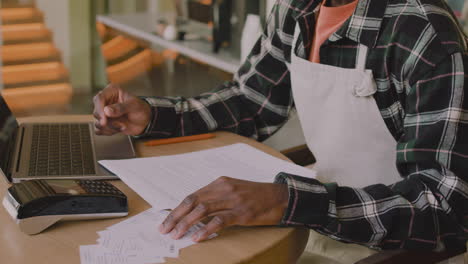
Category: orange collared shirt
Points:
column 329, row 20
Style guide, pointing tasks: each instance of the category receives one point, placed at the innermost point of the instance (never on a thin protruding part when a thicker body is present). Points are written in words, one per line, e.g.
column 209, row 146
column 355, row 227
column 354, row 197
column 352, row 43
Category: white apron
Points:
column 342, row 124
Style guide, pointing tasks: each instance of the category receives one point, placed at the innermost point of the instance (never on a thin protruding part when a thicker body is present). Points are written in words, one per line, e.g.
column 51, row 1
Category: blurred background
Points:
column 56, row 54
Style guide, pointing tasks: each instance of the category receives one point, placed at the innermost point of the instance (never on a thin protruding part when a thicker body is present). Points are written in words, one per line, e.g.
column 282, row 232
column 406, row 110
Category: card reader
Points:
column 38, row 204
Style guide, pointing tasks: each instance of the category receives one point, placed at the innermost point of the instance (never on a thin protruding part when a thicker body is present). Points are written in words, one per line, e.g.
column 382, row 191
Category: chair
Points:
column 131, row 68
column 117, row 48
column 102, row 30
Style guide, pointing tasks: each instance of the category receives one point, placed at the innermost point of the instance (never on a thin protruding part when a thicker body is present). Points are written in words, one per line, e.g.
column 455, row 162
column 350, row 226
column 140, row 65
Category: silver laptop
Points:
column 56, row 151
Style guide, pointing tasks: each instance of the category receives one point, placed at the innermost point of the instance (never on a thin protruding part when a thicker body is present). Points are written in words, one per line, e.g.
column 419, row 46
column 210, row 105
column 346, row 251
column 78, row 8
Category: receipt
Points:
column 136, row 240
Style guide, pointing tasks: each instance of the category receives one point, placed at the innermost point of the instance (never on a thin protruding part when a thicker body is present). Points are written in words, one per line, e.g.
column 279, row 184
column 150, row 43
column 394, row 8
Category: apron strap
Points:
column 361, row 57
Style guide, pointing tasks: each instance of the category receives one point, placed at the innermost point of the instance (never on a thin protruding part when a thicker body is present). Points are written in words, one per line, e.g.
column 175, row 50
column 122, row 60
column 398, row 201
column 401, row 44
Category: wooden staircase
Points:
column 21, row 15
column 29, row 53
column 33, row 75
column 126, row 59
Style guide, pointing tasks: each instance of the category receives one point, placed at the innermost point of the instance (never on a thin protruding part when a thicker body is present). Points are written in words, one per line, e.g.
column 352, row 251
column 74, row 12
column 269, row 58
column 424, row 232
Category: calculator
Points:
column 36, row 205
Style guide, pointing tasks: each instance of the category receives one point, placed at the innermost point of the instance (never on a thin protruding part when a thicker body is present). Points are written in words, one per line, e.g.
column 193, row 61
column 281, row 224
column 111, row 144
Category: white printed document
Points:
column 165, row 181
column 136, row 240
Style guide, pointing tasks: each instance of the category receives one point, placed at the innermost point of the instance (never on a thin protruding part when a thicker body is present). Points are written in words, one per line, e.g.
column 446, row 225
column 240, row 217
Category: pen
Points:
column 158, row 142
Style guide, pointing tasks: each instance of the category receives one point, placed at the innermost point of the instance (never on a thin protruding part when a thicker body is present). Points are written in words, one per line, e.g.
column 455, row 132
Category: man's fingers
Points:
column 104, row 130
column 112, row 126
column 208, row 201
column 117, row 125
column 178, row 213
column 199, row 212
column 109, row 95
column 96, row 115
column 216, row 224
column 184, row 208
column 99, row 104
column 116, row 110
column 100, row 117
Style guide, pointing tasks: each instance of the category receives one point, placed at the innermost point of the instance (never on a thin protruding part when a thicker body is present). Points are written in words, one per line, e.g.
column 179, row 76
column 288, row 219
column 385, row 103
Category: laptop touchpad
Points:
column 113, row 147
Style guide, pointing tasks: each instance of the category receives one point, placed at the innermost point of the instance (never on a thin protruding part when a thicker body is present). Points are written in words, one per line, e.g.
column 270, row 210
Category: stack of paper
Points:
column 165, row 181
column 136, row 241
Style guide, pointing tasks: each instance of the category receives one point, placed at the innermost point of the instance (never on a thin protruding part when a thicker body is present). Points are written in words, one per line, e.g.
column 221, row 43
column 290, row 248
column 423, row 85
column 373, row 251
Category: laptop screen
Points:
column 8, row 129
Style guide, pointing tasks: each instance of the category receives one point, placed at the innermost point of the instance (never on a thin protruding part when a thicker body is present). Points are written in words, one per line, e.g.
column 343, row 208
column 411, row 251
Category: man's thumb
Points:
column 116, row 110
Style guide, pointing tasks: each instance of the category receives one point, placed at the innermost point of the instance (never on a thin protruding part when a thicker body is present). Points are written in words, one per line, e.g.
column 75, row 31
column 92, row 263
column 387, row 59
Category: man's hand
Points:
column 117, row 111
column 229, row 202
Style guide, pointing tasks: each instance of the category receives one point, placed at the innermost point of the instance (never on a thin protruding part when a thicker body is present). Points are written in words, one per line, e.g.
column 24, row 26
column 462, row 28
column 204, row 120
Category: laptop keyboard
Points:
column 61, row 149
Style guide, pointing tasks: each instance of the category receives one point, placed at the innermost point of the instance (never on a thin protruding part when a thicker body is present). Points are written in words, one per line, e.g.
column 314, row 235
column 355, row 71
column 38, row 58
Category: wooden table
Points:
column 60, row 243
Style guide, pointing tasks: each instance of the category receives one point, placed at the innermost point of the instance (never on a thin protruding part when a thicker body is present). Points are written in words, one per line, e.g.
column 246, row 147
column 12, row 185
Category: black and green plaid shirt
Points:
column 418, row 57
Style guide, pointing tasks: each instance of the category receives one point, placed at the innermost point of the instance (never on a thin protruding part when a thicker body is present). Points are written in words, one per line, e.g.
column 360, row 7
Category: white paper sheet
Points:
column 96, row 254
column 165, row 181
column 136, row 240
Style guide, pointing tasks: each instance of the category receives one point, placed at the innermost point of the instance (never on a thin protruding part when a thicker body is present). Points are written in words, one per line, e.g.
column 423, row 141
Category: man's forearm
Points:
column 408, row 215
column 227, row 109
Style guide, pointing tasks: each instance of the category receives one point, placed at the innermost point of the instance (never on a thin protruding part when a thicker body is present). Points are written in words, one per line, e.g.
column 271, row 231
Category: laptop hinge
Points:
column 11, row 154
column 20, row 149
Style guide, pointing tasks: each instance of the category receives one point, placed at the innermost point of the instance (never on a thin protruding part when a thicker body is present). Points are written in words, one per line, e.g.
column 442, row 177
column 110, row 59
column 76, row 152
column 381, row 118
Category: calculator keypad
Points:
column 99, row 187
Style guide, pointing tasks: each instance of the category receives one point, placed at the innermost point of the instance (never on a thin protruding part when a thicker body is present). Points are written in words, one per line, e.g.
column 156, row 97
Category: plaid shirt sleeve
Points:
column 255, row 104
column 426, row 210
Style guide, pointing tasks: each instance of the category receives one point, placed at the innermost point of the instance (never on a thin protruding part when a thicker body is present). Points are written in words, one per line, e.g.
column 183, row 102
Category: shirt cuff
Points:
column 162, row 122
column 147, row 130
column 308, row 201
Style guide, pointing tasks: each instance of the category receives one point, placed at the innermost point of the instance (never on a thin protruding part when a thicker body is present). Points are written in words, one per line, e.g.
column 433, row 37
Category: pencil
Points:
column 159, row 142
